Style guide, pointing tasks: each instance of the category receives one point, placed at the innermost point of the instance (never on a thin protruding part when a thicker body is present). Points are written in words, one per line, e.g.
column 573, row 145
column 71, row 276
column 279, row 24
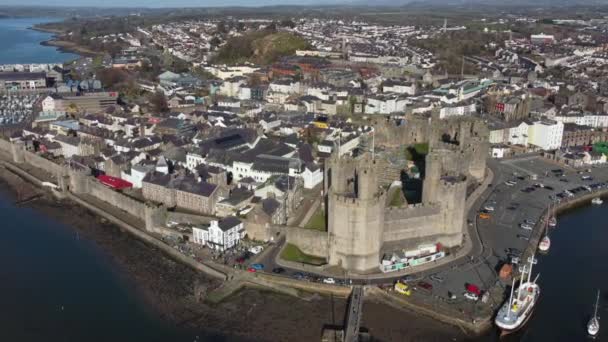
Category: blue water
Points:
column 55, row 286
column 19, row 44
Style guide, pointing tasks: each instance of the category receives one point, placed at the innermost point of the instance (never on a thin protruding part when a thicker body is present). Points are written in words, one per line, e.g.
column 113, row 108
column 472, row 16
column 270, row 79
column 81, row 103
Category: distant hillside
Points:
column 263, row 47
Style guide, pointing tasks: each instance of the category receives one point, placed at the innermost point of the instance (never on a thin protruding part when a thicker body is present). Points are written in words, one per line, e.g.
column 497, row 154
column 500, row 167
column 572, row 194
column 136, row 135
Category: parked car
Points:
column 403, row 288
column 526, row 226
column 424, row 285
column 258, row 267
column 278, row 270
column 484, row 216
column 408, row 278
column 252, row 270
column 256, row 249
column 329, row 281
column 471, row 296
column 488, row 208
column 436, row 278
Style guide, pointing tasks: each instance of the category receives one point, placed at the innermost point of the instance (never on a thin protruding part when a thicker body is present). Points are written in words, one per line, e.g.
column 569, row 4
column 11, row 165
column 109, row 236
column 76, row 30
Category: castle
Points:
column 361, row 226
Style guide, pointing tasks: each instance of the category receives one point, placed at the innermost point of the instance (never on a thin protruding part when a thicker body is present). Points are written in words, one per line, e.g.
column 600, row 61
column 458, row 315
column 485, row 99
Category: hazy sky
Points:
column 166, row 3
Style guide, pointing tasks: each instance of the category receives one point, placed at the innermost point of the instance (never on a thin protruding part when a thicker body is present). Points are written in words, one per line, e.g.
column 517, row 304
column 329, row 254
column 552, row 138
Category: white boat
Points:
column 545, row 244
column 597, row 201
column 593, row 327
column 552, row 221
column 517, row 310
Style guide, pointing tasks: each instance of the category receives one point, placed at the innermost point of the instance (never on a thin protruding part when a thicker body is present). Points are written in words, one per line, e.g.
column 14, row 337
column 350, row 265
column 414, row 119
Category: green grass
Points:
column 293, row 253
column 317, row 221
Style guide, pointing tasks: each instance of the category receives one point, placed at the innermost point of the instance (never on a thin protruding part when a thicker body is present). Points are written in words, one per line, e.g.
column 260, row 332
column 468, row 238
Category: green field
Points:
column 317, row 221
column 293, row 253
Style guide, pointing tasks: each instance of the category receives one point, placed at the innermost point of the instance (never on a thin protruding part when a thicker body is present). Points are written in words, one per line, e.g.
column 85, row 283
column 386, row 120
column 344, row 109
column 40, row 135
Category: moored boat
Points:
column 545, row 244
column 597, row 201
column 593, row 326
column 517, row 310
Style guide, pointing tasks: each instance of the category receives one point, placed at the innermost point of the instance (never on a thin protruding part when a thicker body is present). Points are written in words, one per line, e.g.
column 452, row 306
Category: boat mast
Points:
column 531, row 260
column 596, row 302
column 511, row 298
column 523, row 269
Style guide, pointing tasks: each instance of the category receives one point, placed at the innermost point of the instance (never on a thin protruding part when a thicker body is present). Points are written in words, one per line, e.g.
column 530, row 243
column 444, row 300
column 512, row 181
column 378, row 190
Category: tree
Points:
column 215, row 42
column 111, row 77
column 288, row 23
column 221, row 27
column 159, row 102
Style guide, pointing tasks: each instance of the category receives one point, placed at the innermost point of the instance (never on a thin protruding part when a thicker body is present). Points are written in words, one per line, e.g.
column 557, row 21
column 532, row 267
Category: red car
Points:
column 251, row 269
column 425, row 285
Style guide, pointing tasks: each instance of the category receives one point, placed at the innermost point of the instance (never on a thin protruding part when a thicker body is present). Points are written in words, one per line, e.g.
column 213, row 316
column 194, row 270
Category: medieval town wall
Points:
column 309, row 241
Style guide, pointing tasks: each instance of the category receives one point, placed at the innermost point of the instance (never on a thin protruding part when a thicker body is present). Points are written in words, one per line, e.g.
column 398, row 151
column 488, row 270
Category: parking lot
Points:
column 523, row 200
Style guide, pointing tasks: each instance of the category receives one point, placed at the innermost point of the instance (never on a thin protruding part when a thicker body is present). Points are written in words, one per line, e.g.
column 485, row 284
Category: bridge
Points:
column 353, row 316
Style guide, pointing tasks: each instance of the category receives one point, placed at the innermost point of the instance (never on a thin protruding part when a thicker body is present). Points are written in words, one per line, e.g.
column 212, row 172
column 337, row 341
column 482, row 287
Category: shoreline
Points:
column 64, row 45
column 171, row 296
column 69, row 47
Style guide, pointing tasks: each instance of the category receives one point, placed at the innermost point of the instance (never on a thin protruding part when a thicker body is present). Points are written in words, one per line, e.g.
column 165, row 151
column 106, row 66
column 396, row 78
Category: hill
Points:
column 262, row 47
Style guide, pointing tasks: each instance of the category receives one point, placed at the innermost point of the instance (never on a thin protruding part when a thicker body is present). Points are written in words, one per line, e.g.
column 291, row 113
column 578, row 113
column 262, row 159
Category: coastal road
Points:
column 501, row 232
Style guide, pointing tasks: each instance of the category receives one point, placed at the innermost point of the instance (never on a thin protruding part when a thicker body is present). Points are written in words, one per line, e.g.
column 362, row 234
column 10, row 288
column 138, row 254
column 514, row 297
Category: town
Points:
column 332, row 155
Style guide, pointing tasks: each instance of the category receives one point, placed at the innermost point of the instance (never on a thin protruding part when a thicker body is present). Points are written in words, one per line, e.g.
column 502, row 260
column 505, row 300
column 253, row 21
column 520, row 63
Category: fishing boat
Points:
column 593, row 327
column 597, row 201
column 517, row 310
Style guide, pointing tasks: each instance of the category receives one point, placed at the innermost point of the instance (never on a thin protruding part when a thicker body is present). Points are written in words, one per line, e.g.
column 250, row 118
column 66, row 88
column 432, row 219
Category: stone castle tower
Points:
column 356, row 206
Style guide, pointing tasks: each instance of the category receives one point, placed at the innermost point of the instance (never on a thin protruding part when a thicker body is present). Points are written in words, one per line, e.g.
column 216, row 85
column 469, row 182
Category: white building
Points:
column 399, row 87
column 231, row 87
column 385, row 104
column 136, row 175
column 546, row 134
column 592, row 120
column 457, row 110
column 48, row 104
column 312, row 176
column 224, row 72
column 284, row 87
column 220, row 235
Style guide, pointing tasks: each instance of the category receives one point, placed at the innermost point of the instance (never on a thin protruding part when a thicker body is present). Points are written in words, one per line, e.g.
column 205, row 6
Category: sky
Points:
column 166, row 3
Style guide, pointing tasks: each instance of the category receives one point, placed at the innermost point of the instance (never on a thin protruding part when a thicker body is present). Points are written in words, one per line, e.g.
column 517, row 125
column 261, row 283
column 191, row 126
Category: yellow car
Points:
column 484, row 216
column 403, row 289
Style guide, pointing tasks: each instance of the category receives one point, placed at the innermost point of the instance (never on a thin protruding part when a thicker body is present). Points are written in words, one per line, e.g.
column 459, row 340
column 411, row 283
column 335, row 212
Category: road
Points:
column 511, row 207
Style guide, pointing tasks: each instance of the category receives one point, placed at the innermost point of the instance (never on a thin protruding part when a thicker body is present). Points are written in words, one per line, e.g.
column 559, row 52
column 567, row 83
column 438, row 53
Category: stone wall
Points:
column 412, row 222
column 309, row 241
column 123, row 202
column 189, row 218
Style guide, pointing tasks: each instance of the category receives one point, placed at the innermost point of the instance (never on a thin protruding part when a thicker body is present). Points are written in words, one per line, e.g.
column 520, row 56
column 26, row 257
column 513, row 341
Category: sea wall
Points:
column 173, row 253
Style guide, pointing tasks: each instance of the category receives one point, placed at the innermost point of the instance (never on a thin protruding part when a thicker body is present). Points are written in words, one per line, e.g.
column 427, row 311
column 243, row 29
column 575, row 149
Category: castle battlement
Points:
column 351, row 199
column 413, row 210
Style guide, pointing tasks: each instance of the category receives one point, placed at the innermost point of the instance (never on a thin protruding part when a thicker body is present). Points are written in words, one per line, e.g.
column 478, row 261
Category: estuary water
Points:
column 570, row 274
column 20, row 45
column 55, row 286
